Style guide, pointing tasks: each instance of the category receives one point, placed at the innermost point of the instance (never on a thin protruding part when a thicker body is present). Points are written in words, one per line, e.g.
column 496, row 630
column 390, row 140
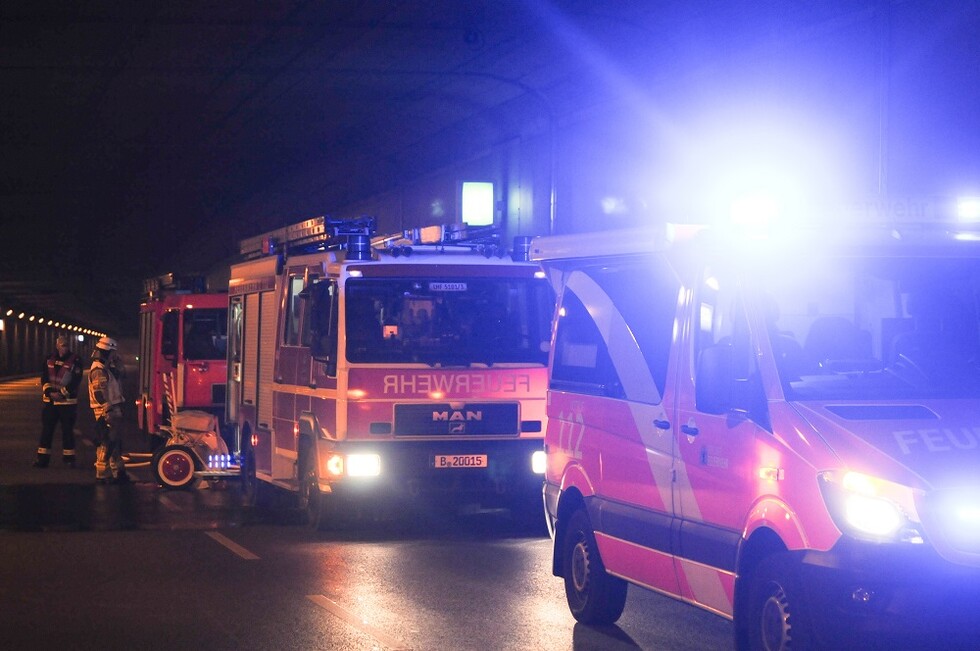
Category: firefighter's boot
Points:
column 117, row 468
column 101, row 464
column 43, row 458
column 68, row 458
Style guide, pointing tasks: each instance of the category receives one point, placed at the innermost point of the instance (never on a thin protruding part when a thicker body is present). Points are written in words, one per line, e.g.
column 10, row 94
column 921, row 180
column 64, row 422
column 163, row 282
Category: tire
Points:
column 594, row 597
column 775, row 614
column 250, row 485
column 314, row 505
column 173, row 467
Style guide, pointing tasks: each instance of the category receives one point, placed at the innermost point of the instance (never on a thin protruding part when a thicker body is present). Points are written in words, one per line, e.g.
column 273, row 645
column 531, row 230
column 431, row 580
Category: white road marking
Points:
column 340, row 612
column 169, row 504
column 232, row 545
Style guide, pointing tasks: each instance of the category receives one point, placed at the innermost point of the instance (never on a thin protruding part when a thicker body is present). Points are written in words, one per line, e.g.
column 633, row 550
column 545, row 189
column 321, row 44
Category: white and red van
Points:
column 784, row 431
column 365, row 369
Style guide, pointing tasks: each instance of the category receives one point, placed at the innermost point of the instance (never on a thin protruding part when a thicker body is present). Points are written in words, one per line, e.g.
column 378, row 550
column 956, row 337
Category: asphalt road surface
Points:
column 86, row 566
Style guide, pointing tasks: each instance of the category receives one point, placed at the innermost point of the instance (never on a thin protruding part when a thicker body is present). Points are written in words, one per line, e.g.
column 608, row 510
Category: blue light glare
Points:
column 968, row 209
column 747, row 163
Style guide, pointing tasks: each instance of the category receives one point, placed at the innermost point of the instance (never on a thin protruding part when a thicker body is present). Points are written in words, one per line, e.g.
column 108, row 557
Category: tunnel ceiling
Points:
column 132, row 128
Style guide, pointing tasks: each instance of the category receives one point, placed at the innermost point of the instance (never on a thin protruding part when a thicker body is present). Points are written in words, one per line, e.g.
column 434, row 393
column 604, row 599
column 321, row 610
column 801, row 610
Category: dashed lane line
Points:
column 335, row 609
column 169, row 504
column 232, row 545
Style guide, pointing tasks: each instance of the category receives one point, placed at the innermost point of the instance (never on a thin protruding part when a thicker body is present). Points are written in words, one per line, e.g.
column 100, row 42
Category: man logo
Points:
column 457, row 416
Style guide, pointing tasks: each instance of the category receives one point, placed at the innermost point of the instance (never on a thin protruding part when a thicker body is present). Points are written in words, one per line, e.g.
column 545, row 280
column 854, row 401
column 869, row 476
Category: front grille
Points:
column 443, row 419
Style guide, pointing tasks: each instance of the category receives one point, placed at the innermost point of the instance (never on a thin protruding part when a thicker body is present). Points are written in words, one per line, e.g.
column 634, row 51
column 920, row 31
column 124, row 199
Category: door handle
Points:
column 661, row 424
column 690, row 430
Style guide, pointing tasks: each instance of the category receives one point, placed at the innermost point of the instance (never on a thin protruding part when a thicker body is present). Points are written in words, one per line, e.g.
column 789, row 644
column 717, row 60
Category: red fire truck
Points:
column 394, row 366
column 183, row 335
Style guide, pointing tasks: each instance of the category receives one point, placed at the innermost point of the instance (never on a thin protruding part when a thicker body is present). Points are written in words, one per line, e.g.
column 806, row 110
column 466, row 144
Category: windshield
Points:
column 879, row 329
column 449, row 321
column 205, row 333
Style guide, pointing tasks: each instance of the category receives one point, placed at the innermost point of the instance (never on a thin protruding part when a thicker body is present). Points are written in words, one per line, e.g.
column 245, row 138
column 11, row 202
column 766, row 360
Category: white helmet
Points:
column 106, row 343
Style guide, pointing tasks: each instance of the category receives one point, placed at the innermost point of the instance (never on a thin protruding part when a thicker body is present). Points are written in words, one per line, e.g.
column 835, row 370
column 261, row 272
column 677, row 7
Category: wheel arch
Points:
column 574, row 488
column 570, row 501
column 762, row 543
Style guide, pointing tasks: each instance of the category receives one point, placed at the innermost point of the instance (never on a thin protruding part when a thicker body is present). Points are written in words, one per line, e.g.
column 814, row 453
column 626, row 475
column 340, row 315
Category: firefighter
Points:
column 106, row 399
column 60, row 378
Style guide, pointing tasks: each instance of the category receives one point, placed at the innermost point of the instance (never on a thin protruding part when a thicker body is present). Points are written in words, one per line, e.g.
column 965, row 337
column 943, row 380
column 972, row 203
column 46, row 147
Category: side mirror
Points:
column 713, row 392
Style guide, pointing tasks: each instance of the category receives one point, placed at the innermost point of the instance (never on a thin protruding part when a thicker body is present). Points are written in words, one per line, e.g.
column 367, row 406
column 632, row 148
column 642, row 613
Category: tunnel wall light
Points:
column 476, row 203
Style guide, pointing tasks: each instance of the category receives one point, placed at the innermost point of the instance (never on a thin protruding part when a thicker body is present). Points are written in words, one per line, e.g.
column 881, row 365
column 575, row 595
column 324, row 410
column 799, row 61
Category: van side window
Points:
column 722, row 325
column 582, row 363
column 646, row 293
column 620, row 346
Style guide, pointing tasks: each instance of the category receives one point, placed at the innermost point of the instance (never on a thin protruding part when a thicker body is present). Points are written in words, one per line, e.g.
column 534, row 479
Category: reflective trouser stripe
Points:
column 44, row 450
column 101, row 467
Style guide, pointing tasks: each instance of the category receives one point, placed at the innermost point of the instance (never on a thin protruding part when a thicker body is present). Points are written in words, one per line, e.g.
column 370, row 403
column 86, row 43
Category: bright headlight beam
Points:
column 873, row 516
column 363, row 465
column 538, row 462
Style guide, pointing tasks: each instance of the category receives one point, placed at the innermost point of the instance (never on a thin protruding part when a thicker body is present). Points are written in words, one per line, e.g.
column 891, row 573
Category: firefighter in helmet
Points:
column 106, row 399
column 60, row 378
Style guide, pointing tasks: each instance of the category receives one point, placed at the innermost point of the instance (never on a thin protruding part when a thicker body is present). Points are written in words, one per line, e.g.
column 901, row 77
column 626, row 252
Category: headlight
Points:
column 363, row 465
column 871, row 508
column 538, row 462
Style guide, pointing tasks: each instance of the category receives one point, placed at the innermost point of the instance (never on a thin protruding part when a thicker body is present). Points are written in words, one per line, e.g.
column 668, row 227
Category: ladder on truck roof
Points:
column 317, row 233
column 359, row 235
column 171, row 283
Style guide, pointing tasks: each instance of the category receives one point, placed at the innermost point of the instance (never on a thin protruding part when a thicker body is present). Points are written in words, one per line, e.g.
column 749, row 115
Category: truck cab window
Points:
column 294, row 306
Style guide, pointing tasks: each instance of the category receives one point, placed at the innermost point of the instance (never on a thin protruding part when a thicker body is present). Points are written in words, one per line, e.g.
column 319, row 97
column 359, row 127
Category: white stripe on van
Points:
column 625, row 354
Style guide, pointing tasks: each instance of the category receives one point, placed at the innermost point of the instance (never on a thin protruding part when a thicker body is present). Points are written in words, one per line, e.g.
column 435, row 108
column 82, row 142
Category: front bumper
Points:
column 408, row 470
column 893, row 594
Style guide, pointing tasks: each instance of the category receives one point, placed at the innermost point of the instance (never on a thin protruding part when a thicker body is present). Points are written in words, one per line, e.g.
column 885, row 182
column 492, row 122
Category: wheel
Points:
column 314, row 504
column 250, row 485
column 173, row 467
column 775, row 614
column 594, row 597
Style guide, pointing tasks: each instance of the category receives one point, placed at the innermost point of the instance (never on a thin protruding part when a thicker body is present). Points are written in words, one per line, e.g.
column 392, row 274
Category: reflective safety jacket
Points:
column 60, row 379
column 104, row 389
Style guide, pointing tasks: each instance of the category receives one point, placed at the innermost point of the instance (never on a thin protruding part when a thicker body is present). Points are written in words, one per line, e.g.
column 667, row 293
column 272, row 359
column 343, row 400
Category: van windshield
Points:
column 448, row 321
column 876, row 329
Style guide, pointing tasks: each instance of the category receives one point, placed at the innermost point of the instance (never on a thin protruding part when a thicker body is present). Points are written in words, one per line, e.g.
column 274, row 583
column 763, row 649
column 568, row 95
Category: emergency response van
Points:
column 363, row 366
column 183, row 335
column 782, row 430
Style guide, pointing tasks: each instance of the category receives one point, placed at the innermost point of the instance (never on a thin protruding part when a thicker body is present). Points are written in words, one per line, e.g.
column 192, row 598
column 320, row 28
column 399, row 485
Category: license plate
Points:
column 461, row 461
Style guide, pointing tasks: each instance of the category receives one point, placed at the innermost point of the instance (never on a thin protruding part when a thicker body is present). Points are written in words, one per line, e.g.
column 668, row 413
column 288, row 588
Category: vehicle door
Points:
column 612, row 398
column 723, row 444
column 204, row 357
column 293, row 382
